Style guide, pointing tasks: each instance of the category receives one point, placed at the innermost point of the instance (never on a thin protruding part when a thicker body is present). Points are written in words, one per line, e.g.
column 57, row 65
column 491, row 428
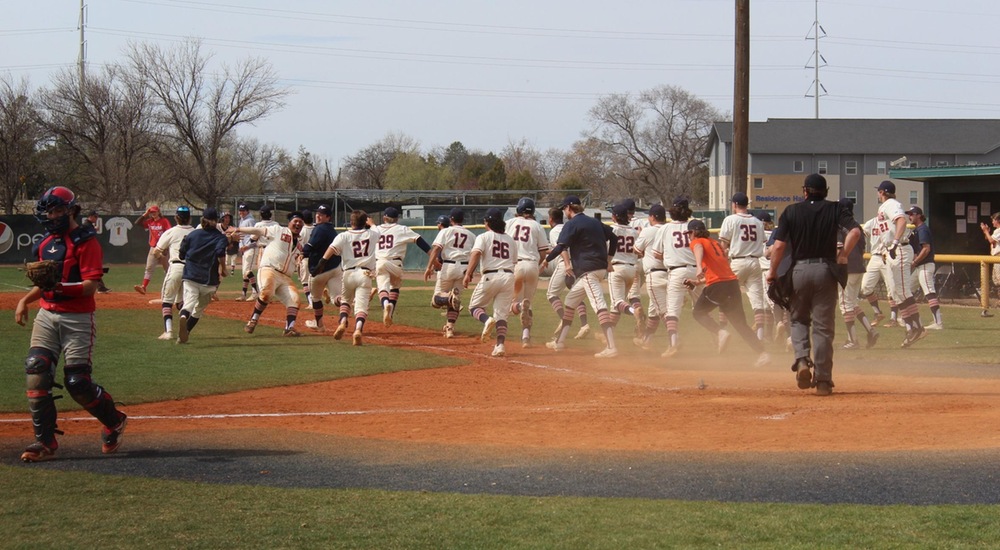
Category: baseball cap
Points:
column 92, row 213
column 682, row 201
column 741, row 199
column 265, row 208
column 847, row 203
column 766, row 217
column 570, row 199
column 915, row 210
column 443, row 220
column 391, row 212
column 154, row 208
column 629, row 204
column 493, row 214
column 657, row 211
column 887, row 186
column 814, row 181
column 243, row 207
column 696, row 225
column 210, row 213
column 619, row 210
column 324, row 209
column 457, row 214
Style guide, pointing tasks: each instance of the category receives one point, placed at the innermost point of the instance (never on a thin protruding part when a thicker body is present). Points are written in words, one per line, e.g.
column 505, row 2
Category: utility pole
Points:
column 741, row 99
column 83, row 46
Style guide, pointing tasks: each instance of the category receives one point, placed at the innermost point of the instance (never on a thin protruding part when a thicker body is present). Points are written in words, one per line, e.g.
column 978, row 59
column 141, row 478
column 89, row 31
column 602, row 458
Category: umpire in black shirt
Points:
column 811, row 228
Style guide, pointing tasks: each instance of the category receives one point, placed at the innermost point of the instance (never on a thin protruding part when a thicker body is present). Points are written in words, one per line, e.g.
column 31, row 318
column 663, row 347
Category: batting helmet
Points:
column 525, row 206
column 53, row 198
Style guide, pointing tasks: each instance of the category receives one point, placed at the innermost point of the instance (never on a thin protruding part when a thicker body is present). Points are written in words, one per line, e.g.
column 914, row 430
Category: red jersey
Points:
column 714, row 260
column 155, row 228
column 82, row 260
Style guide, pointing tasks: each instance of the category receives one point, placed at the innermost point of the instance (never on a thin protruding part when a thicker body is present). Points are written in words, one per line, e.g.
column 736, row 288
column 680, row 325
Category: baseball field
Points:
column 414, row 440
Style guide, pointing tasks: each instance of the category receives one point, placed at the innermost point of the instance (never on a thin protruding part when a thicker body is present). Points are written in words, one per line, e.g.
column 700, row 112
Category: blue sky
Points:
column 492, row 73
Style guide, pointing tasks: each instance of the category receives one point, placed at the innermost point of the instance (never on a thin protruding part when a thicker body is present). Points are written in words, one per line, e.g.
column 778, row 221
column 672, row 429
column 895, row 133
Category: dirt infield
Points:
column 538, row 399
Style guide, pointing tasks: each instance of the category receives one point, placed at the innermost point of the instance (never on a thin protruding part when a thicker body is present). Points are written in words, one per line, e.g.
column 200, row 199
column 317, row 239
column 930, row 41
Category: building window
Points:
column 942, row 163
column 880, row 167
column 851, row 168
column 852, row 195
column 797, row 166
column 821, row 167
column 913, row 197
column 914, row 164
column 758, row 183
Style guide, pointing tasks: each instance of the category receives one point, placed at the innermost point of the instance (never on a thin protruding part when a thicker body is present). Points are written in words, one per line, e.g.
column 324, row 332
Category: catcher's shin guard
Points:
column 39, row 369
column 91, row 396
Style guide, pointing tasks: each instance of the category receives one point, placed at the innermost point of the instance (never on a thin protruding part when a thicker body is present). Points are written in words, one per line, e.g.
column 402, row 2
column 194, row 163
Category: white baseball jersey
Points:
column 874, row 229
column 262, row 241
column 745, row 234
column 170, row 241
column 356, row 248
column 456, row 243
column 118, row 227
column 498, row 252
column 554, row 233
column 646, row 243
column 889, row 211
column 393, row 239
column 627, row 236
column 528, row 237
column 675, row 244
column 249, row 221
column 304, row 234
column 639, row 224
column 279, row 254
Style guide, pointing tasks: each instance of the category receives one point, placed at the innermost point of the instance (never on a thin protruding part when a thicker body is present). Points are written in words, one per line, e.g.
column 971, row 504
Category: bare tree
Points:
column 20, row 135
column 369, row 168
column 656, row 139
column 198, row 113
column 103, row 129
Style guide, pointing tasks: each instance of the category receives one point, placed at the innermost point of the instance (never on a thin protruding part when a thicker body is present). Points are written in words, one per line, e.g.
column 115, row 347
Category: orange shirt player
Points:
column 152, row 221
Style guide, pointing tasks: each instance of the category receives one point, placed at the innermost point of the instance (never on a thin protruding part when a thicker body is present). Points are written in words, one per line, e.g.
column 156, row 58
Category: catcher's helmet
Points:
column 53, row 198
column 525, row 206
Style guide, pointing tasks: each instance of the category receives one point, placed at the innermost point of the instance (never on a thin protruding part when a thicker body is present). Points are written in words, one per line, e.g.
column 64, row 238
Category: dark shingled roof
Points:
column 868, row 136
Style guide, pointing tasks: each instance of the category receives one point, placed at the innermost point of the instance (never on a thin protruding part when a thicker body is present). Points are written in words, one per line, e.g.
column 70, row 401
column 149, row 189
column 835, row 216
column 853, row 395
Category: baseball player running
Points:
column 449, row 257
column 496, row 255
column 622, row 275
column 156, row 225
column 675, row 247
column 389, row 257
column 532, row 244
column 875, row 270
column 168, row 247
column 557, row 280
column 640, row 276
column 742, row 237
column 899, row 262
column 850, row 307
column 248, row 251
column 356, row 248
column 302, row 262
column 923, row 264
column 656, row 273
column 277, row 262
column 326, row 277
column 203, row 252
column 592, row 246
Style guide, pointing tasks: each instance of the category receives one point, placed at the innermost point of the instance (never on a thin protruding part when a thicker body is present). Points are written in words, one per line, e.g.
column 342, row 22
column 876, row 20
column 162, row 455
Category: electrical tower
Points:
column 817, row 89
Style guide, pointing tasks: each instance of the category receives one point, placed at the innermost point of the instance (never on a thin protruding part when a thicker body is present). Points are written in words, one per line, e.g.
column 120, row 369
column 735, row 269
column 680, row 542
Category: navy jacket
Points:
column 202, row 250
column 319, row 240
column 590, row 243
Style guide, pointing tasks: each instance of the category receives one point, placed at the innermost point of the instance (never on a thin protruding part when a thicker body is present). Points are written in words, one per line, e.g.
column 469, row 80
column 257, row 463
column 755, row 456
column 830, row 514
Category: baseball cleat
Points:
column 525, row 343
column 38, row 452
column 872, row 339
column 913, row 335
column 111, row 438
column 763, row 360
column 934, row 326
column 251, row 324
column 165, row 336
column 824, row 388
column 877, row 318
column 584, row 332
column 723, row 339
column 182, row 330
column 455, row 299
column 387, row 314
column 670, row 352
column 643, row 343
column 606, row 353
column 803, row 376
column 499, row 351
column 851, row 344
column 357, row 338
column 341, row 329
column 449, row 331
column 291, row 333
column 315, row 325
column 890, row 323
column 555, row 345
column 488, row 327
column 140, row 289
column 242, row 298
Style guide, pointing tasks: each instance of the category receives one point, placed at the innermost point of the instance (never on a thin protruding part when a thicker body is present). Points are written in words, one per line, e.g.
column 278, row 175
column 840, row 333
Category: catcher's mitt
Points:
column 44, row 274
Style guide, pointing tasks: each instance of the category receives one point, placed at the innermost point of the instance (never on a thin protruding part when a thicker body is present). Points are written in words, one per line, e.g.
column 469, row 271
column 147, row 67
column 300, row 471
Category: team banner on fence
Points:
column 122, row 241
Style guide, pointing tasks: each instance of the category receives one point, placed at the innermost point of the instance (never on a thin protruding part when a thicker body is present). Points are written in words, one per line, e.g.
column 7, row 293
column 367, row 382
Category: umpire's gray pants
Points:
column 814, row 304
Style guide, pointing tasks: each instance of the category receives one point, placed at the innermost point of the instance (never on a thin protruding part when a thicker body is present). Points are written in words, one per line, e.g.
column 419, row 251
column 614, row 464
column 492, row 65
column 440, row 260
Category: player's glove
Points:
column 891, row 249
column 44, row 274
column 570, row 279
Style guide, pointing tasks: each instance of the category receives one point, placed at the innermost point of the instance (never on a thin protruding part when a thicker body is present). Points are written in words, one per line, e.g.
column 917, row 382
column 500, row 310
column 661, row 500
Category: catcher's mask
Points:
column 55, row 197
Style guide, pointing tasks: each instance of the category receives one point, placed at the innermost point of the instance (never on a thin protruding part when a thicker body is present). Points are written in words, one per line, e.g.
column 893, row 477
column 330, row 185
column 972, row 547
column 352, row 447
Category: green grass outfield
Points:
column 46, row 508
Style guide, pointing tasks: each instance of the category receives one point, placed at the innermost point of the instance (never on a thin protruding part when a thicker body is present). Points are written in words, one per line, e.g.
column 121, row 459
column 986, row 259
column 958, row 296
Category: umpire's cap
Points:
column 815, row 181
